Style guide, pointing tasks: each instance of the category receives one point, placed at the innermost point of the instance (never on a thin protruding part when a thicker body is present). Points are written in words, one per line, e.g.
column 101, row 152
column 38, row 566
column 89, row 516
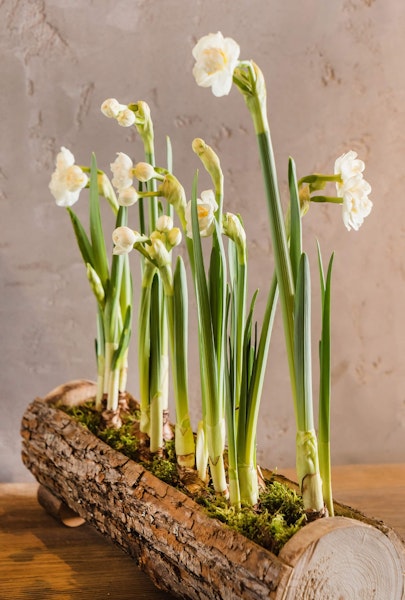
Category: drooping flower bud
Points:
column 128, row 196
column 144, row 172
column 164, row 223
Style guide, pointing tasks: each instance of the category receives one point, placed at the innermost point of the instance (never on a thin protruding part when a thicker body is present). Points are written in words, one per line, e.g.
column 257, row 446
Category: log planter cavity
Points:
column 186, row 552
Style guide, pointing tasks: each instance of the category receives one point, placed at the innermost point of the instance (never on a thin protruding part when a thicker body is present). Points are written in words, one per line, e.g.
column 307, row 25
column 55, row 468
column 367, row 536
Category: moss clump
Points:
column 164, row 469
column 121, row 439
column 279, row 515
column 86, row 414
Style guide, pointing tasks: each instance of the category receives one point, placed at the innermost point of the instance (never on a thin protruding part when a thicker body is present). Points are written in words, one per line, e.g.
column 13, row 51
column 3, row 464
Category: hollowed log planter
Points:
column 184, row 551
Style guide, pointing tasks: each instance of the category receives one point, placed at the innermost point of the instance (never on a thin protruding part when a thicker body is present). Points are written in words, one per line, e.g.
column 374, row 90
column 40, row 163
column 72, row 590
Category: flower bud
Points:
column 111, row 108
column 210, row 161
column 126, row 118
column 173, row 191
column 174, row 237
column 124, row 239
column 128, row 196
column 158, row 252
column 233, row 228
column 95, row 283
column 164, row 223
column 144, row 171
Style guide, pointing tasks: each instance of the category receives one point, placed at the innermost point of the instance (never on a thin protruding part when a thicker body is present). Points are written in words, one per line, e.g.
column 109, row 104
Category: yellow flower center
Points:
column 215, row 60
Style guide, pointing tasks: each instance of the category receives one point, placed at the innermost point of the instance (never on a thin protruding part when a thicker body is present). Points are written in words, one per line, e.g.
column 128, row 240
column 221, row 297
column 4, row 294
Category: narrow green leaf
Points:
column 208, row 367
column 124, row 340
column 295, row 220
column 99, row 263
column 82, row 239
column 302, row 346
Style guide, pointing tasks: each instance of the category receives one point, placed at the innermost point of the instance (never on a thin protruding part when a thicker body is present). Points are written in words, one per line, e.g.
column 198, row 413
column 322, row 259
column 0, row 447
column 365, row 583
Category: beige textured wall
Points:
column 335, row 80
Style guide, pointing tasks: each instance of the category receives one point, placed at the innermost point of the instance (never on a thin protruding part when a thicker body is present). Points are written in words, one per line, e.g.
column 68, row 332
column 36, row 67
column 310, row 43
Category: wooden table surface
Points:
column 41, row 559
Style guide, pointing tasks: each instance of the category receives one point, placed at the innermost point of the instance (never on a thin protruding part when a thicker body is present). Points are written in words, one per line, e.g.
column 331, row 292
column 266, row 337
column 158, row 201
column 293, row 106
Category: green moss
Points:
column 121, row 439
column 86, row 414
column 164, row 469
column 278, row 517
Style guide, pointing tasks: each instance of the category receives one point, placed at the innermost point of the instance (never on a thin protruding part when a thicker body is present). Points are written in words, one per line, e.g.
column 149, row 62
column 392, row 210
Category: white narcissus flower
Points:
column 67, row 180
column 206, row 208
column 124, row 239
column 353, row 189
column 348, row 165
column 216, row 58
column 356, row 203
column 122, row 171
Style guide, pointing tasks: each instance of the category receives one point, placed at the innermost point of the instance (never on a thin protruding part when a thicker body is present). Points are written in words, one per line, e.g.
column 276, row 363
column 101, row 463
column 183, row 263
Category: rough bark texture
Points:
column 181, row 549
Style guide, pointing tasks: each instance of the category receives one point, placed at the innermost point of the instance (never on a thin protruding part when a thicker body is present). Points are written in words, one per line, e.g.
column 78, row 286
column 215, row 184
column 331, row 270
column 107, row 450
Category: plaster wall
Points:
column 335, row 79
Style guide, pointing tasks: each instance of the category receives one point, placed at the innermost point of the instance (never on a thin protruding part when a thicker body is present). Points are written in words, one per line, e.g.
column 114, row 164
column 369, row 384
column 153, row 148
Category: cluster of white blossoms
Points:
column 157, row 246
column 206, row 209
column 67, row 180
column 124, row 171
column 112, row 109
column 353, row 189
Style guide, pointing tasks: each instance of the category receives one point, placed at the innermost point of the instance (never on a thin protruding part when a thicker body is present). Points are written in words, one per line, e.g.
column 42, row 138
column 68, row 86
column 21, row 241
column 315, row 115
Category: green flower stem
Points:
column 144, row 345
column 100, row 350
column 280, row 248
column 330, row 199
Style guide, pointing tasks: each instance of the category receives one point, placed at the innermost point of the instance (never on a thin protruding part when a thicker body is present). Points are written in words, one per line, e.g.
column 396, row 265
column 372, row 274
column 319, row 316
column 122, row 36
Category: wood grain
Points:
column 40, row 559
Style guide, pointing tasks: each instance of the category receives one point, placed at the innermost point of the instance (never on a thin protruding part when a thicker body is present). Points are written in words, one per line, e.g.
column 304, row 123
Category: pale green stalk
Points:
column 176, row 303
column 144, row 345
column 158, row 368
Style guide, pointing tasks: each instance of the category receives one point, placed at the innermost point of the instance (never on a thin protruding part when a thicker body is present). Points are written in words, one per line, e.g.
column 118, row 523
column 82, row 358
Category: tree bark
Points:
column 184, row 551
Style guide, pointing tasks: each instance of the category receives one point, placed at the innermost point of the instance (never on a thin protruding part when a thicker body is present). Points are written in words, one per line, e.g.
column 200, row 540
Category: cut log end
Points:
column 342, row 558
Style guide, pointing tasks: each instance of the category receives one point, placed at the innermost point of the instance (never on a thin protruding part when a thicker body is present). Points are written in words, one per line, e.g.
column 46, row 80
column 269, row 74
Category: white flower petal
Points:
column 122, row 171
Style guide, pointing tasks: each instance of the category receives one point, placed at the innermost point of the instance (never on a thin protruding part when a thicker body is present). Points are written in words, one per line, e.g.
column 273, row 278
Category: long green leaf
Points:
column 302, row 346
column 124, row 340
column 82, row 240
column 295, row 220
column 208, row 355
column 100, row 262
